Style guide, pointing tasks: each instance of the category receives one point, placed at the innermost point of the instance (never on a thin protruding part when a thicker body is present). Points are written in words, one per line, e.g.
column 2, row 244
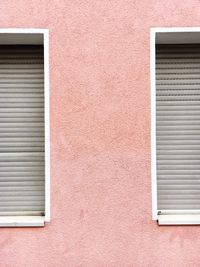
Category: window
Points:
column 24, row 128
column 175, row 92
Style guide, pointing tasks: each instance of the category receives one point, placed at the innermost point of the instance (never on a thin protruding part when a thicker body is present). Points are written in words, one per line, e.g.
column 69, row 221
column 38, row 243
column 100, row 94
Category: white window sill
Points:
column 22, row 221
column 193, row 219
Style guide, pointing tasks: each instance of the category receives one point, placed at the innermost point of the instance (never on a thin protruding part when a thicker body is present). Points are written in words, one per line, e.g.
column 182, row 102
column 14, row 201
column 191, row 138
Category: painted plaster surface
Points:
column 100, row 137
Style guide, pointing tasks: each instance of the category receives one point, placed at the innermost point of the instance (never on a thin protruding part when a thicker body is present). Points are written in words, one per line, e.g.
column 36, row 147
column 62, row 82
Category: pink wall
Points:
column 100, row 137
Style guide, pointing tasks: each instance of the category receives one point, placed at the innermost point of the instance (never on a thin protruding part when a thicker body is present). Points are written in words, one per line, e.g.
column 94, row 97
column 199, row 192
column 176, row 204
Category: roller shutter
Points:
column 22, row 130
column 178, row 126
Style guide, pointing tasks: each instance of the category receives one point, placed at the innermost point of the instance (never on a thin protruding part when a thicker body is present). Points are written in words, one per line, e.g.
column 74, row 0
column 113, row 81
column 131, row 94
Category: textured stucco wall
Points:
column 100, row 137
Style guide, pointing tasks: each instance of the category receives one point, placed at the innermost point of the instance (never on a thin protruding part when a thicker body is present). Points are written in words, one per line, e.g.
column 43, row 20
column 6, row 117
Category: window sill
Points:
column 22, row 221
column 193, row 219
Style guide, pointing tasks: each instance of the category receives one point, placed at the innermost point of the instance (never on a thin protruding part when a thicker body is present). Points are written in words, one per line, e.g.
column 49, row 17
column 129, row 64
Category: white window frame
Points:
column 8, row 38
column 162, row 35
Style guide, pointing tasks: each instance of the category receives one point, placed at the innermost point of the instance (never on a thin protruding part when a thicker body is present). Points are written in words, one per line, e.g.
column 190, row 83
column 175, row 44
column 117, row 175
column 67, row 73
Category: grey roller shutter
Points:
column 22, row 130
column 178, row 126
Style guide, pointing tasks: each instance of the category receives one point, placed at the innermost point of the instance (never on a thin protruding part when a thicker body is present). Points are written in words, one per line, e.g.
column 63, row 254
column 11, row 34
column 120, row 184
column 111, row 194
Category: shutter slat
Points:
column 185, row 108
column 178, row 171
column 175, row 104
column 177, row 93
column 180, row 202
column 22, row 169
column 21, row 119
column 178, row 161
column 21, row 179
column 21, row 163
column 31, row 95
column 180, row 207
column 177, row 167
column 22, row 104
column 168, row 122
column 174, row 60
column 21, row 198
column 22, row 130
column 23, row 77
column 174, row 76
column 21, row 183
column 178, row 117
column 174, row 65
column 13, row 194
column 179, row 182
column 188, row 152
column 25, row 99
column 181, row 71
column 20, row 155
column 178, row 132
column 21, row 115
column 179, row 137
column 179, row 196
column 177, row 55
column 21, row 173
column 17, row 203
column 177, row 176
column 21, row 90
column 21, row 80
column 21, row 71
column 175, row 127
column 23, row 66
column 22, row 139
column 15, row 211
column 178, row 157
column 21, row 188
